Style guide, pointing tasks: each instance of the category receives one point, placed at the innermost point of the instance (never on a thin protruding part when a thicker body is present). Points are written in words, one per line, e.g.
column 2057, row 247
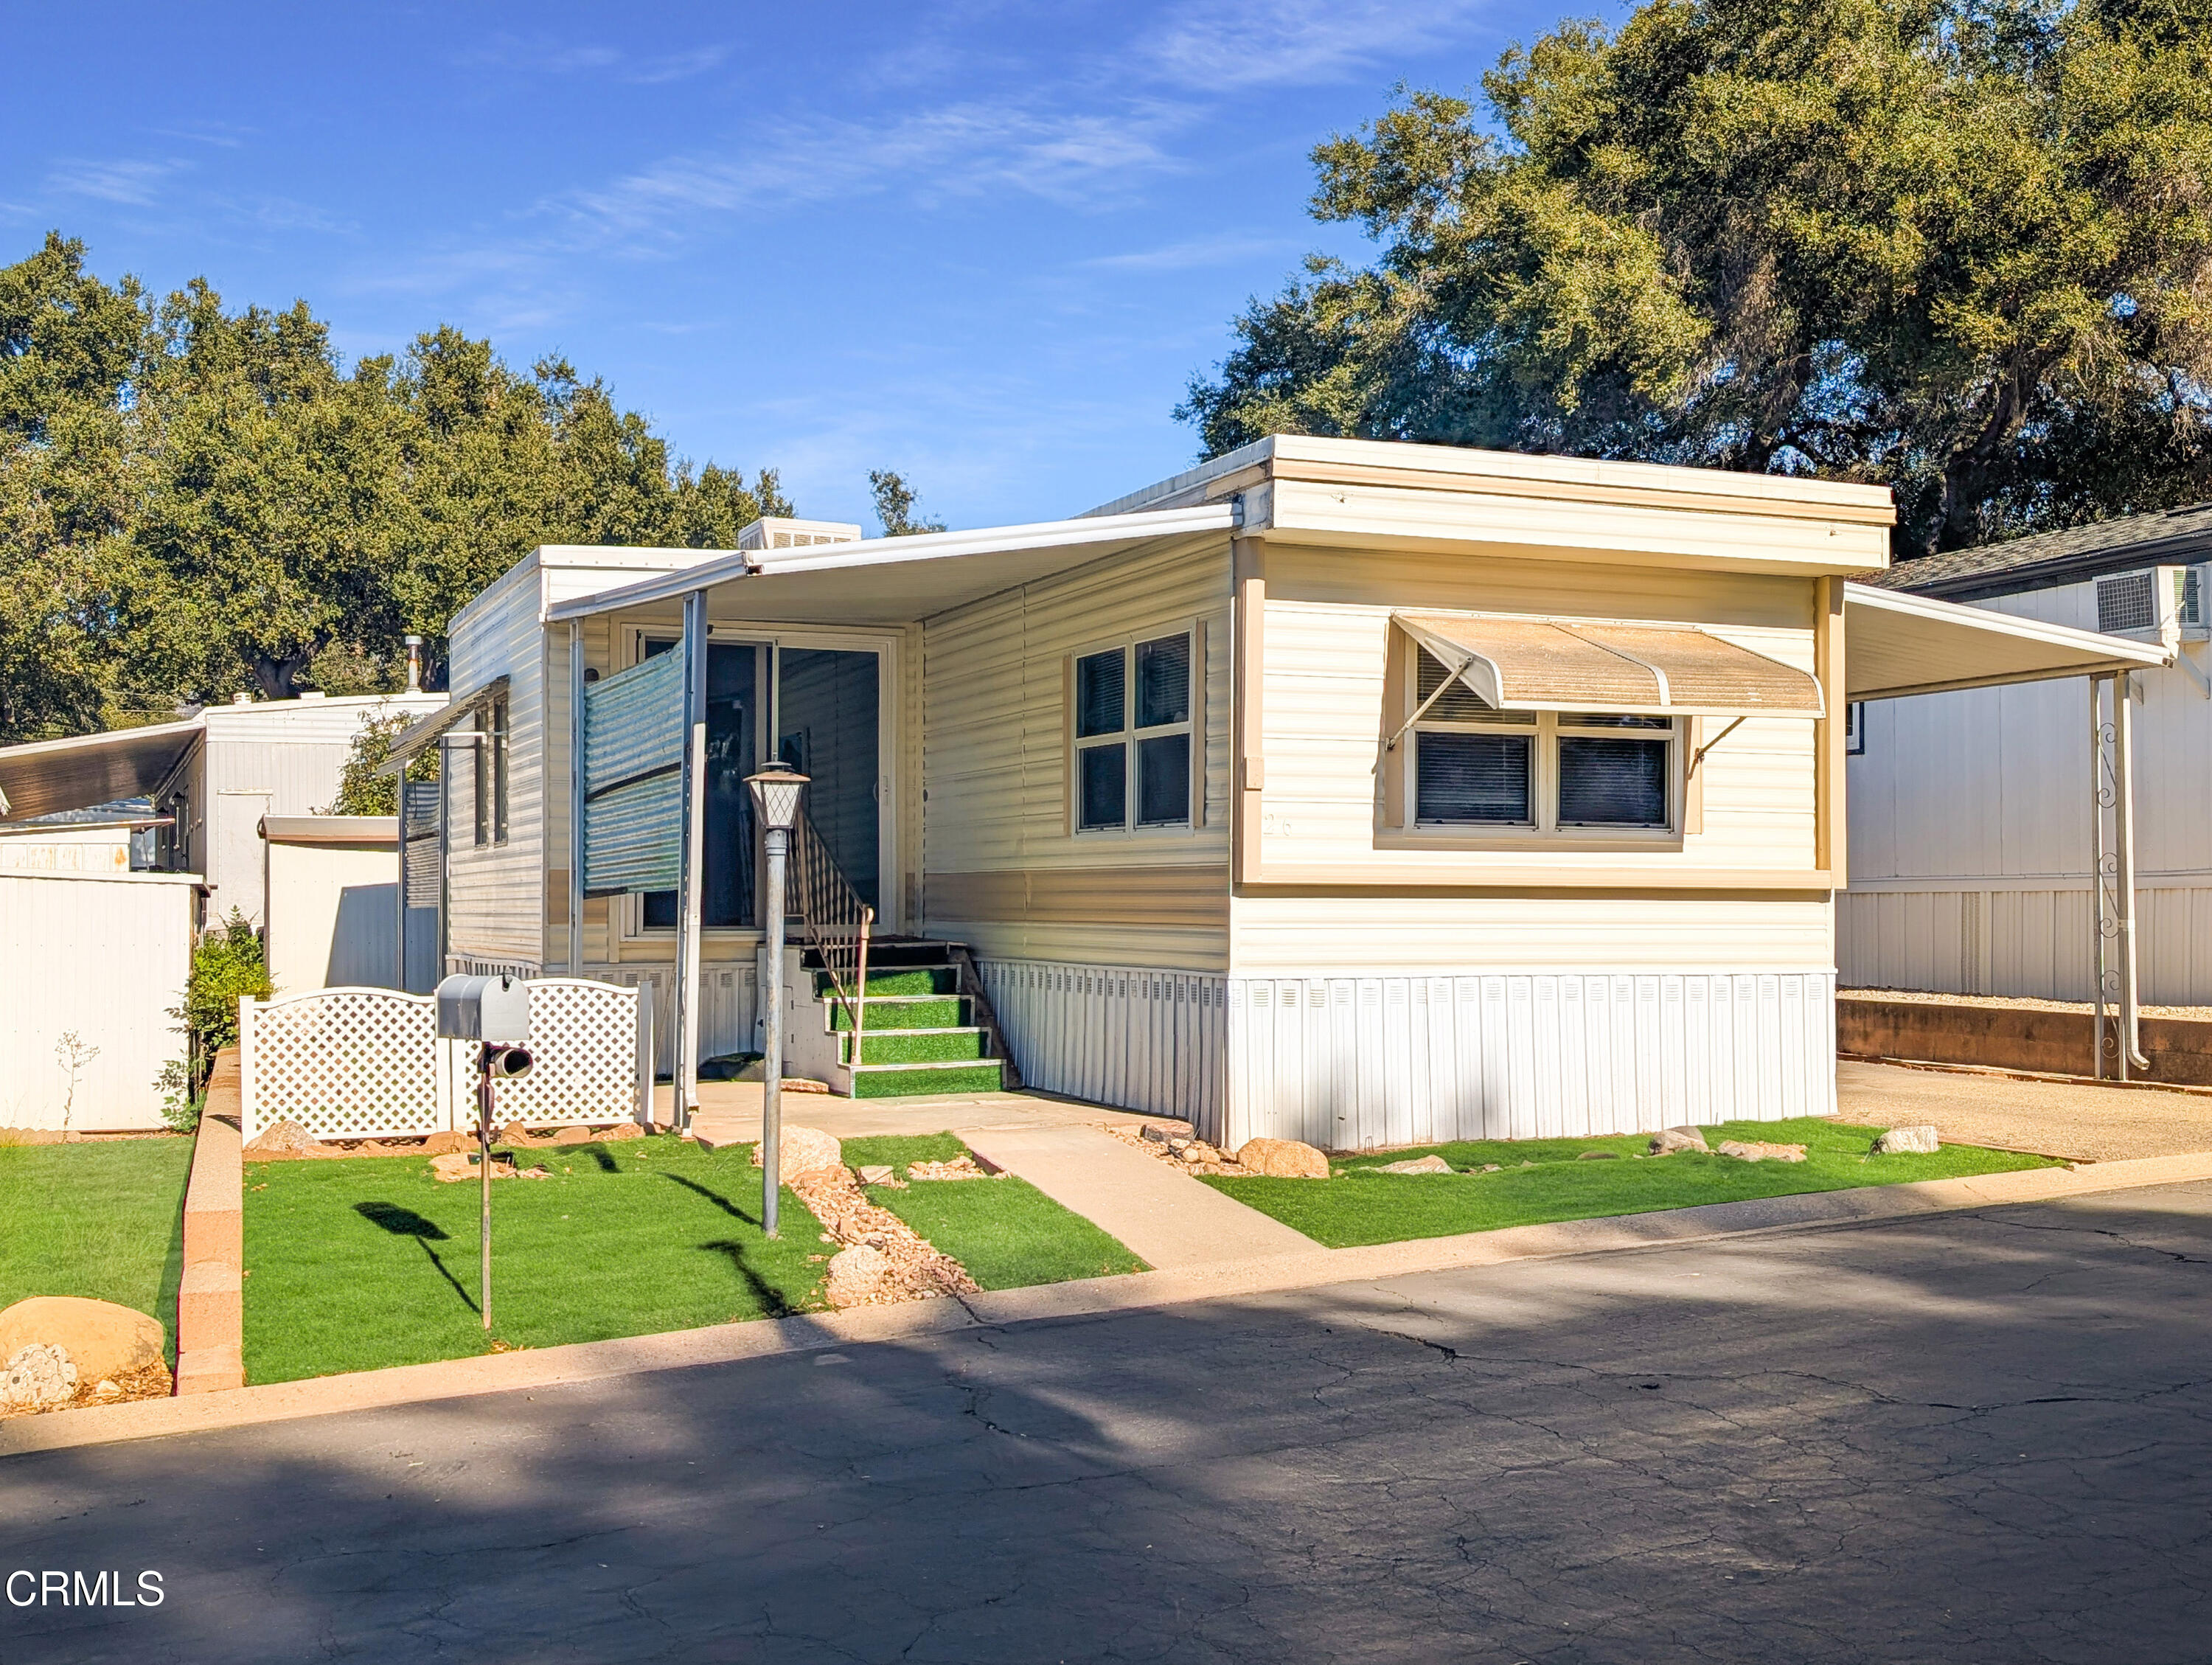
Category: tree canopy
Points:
column 1962, row 249
column 895, row 505
column 196, row 501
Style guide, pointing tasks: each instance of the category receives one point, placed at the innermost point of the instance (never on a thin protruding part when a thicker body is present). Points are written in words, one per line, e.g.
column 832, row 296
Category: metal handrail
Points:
column 837, row 922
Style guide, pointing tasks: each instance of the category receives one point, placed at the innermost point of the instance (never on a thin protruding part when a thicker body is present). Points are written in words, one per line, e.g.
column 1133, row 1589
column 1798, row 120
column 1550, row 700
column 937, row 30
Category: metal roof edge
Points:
column 2116, row 648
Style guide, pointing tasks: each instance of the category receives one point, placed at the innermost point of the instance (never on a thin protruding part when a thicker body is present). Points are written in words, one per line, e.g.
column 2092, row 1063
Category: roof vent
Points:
column 776, row 533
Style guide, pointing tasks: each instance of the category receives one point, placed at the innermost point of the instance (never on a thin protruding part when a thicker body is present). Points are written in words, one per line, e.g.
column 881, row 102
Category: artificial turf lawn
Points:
column 103, row 1219
column 367, row 1262
column 1005, row 1231
column 1359, row 1208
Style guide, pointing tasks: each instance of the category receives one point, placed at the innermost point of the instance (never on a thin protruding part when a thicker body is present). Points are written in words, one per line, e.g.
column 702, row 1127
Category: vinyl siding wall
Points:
column 496, row 891
column 1002, row 868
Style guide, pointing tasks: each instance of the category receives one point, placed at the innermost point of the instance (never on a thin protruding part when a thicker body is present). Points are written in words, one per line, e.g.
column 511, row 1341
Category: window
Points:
column 1538, row 771
column 1132, row 736
column 490, row 781
column 1854, row 729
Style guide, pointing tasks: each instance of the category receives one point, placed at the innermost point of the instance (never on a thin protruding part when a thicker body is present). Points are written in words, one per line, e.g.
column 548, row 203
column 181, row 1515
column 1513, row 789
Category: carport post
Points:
column 575, row 798
column 693, row 844
column 2112, row 876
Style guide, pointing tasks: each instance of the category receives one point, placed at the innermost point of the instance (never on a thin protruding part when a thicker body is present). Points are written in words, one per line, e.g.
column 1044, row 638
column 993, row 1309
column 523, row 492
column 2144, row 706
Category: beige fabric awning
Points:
column 1521, row 664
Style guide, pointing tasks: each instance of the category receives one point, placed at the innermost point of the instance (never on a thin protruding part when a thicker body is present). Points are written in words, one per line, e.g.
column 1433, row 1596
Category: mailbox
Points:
column 493, row 1010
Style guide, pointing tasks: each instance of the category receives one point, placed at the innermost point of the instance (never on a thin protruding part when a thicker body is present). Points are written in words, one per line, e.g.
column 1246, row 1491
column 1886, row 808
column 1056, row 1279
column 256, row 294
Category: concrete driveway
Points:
column 1968, row 1438
column 2056, row 1118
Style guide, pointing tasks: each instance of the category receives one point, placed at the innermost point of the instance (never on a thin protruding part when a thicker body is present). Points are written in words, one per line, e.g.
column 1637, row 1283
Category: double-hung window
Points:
column 1133, row 741
column 1564, row 772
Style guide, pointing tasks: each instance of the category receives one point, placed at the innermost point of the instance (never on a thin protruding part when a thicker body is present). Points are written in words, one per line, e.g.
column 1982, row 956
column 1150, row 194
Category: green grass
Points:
column 914, row 980
column 1005, row 1231
column 899, row 1084
column 1360, row 1207
column 369, row 1263
column 103, row 1219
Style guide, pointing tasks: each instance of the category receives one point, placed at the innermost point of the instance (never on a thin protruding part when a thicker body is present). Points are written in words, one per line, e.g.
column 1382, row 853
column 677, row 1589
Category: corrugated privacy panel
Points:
column 419, row 830
column 633, row 786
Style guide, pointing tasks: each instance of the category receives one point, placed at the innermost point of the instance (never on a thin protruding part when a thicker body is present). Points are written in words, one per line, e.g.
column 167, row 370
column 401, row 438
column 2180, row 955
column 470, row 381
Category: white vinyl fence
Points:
column 366, row 1063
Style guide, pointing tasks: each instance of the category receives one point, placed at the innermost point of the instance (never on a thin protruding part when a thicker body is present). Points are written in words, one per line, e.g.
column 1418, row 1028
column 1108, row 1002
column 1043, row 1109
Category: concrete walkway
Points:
column 1164, row 1215
column 730, row 1113
column 2082, row 1123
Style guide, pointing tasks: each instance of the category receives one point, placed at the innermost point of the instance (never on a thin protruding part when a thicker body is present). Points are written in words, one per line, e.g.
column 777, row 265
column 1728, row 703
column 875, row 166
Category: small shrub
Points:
column 226, row 963
column 362, row 790
column 180, row 1104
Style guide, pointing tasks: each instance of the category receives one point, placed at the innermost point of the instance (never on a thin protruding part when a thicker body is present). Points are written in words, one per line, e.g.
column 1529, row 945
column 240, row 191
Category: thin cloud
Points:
column 676, row 66
column 1233, row 45
column 1193, row 256
column 135, row 183
column 541, row 55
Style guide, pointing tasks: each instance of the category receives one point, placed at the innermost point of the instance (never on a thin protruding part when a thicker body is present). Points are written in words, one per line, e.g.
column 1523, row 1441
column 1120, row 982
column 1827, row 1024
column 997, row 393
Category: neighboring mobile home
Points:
column 1971, row 831
column 1365, row 793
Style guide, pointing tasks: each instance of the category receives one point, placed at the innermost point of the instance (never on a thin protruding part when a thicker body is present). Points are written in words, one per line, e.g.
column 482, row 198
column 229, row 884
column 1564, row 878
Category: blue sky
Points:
column 986, row 245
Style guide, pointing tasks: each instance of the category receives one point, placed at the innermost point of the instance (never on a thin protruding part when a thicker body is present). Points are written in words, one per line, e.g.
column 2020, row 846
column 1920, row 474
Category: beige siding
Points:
column 497, row 892
column 1329, row 639
column 993, row 711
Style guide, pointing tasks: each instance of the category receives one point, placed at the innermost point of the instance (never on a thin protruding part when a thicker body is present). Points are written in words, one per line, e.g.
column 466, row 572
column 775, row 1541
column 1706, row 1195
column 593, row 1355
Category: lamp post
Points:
column 775, row 796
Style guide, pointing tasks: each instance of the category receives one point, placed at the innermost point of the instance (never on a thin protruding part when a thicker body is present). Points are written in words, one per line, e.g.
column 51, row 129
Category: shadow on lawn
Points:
column 770, row 1297
column 406, row 1222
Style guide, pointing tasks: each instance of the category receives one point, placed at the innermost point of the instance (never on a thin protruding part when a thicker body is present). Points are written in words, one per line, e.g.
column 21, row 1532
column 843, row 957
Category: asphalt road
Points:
column 1979, row 1437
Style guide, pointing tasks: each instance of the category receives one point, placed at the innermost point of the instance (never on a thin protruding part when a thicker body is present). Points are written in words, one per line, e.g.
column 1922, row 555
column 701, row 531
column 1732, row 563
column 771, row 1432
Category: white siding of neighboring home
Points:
column 102, row 956
column 496, row 891
column 1971, row 838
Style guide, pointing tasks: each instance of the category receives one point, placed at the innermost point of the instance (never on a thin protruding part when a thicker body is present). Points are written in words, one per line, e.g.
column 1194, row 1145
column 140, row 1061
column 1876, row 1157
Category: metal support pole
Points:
column 483, row 1179
column 779, row 848
column 2124, row 840
column 399, row 890
column 694, row 842
column 575, row 798
column 2101, row 794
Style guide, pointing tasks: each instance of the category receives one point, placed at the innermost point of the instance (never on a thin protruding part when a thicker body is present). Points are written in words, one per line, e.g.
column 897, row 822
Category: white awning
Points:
column 45, row 777
column 414, row 737
column 896, row 580
column 1896, row 644
column 1516, row 663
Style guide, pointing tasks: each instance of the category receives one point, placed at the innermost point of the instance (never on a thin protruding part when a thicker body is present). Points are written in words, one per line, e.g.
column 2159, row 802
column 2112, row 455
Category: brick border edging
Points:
column 211, row 1296
column 1084, row 1298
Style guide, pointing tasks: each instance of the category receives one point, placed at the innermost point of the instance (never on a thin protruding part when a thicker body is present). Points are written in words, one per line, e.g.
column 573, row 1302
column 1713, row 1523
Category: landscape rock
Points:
column 1159, row 1133
column 804, row 1150
column 959, row 1168
column 99, row 1337
column 877, row 1173
column 1752, row 1149
column 577, row 1133
column 36, row 1378
column 856, row 1275
column 286, row 1138
column 620, row 1130
column 1432, row 1163
column 1282, row 1158
column 1920, row 1141
column 456, row 1165
column 1677, row 1139
column 446, row 1142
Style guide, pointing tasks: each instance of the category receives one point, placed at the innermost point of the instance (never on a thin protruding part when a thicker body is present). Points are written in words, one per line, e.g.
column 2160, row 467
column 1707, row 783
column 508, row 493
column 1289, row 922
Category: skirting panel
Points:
column 1147, row 1041
column 727, row 1000
column 1352, row 1063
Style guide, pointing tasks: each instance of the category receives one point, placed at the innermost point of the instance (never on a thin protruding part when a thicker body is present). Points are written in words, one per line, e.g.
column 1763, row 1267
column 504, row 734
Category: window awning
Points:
column 1896, row 644
column 1522, row 664
column 412, row 739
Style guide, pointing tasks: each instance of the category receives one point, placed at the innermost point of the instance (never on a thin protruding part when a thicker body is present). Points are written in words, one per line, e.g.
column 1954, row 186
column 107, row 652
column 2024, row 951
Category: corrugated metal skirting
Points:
column 1351, row 1063
column 1148, row 1040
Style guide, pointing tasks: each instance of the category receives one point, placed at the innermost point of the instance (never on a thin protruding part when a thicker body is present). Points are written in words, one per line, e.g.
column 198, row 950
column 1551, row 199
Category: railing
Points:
column 837, row 925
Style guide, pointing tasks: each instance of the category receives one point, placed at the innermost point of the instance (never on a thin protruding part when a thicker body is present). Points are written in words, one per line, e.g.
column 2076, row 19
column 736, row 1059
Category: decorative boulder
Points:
column 285, row 1137
column 856, row 1275
column 36, row 1378
column 1432, row 1163
column 99, row 1338
column 1752, row 1149
column 804, row 1150
column 1282, row 1158
column 1920, row 1141
column 1677, row 1139
column 446, row 1143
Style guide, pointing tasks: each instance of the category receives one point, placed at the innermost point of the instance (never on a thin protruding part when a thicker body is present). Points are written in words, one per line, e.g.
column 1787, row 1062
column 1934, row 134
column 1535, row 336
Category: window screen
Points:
column 2127, row 603
column 1164, row 780
column 1612, row 783
column 1472, row 777
column 1099, row 690
column 1102, row 776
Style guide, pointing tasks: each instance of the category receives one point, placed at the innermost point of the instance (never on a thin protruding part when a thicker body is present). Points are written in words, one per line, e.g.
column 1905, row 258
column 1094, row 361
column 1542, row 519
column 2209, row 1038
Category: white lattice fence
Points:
column 365, row 1063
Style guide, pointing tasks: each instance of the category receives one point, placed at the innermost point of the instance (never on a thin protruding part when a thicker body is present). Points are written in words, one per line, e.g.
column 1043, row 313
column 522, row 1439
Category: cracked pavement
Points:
column 1971, row 1436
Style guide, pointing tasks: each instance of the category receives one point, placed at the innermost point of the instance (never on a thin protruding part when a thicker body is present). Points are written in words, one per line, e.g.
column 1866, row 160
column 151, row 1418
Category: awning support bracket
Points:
column 1421, row 710
column 1699, row 755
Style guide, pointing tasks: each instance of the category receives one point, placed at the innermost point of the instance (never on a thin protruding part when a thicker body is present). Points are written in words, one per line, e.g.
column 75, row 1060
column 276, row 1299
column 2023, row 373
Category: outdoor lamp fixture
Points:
column 776, row 797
